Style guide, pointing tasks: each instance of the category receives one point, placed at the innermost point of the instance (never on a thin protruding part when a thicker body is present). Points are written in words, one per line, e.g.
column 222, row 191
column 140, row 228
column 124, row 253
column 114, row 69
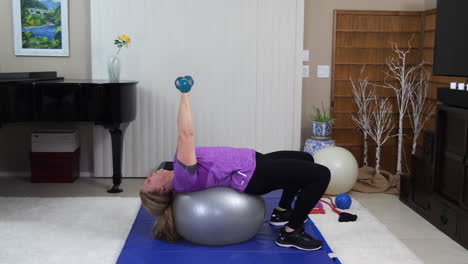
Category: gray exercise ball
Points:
column 218, row 216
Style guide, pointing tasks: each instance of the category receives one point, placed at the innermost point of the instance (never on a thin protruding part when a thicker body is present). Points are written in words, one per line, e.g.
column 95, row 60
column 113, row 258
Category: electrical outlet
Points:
column 323, row 71
column 305, row 71
column 305, row 55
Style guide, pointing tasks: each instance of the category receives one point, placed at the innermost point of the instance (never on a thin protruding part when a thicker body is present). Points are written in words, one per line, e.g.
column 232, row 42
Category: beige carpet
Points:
column 64, row 230
column 93, row 230
column 366, row 241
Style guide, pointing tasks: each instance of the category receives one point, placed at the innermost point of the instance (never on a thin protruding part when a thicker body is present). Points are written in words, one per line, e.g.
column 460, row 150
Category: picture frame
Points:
column 40, row 27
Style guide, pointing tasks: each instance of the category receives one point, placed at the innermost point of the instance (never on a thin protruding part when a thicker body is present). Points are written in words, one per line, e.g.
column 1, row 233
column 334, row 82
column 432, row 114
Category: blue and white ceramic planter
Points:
column 321, row 129
column 312, row 145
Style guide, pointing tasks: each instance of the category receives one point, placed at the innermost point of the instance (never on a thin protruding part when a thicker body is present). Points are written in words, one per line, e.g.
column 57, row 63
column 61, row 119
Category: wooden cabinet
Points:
column 422, row 182
column 416, row 189
column 464, row 192
column 452, row 134
column 444, row 216
column 463, row 229
column 437, row 187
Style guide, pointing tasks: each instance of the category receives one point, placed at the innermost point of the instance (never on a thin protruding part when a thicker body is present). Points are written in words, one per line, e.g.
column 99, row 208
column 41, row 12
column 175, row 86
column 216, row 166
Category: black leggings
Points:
column 294, row 172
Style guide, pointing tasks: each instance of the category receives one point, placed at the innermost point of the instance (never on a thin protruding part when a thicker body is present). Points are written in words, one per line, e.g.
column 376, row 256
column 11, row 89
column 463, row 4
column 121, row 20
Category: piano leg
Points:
column 117, row 136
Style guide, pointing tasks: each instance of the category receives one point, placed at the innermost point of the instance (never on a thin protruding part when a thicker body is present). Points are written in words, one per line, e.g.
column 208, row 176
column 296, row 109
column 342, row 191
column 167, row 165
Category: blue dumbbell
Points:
column 184, row 84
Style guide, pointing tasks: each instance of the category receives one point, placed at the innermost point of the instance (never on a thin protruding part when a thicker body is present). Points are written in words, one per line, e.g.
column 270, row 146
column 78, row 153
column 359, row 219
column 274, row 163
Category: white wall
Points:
column 245, row 57
column 430, row 4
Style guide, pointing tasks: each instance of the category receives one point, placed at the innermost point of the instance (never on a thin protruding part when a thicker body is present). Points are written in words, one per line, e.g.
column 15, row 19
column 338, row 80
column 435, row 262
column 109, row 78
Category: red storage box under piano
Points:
column 55, row 166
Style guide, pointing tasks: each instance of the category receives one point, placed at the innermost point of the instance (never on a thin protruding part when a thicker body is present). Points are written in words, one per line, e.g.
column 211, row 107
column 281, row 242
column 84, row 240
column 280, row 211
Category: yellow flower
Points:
column 125, row 38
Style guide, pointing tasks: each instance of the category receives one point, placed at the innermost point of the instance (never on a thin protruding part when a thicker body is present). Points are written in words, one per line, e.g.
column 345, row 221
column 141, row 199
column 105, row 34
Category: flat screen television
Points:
column 451, row 38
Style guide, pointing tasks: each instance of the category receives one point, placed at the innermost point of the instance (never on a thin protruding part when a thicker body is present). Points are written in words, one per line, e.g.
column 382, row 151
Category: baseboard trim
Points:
column 28, row 174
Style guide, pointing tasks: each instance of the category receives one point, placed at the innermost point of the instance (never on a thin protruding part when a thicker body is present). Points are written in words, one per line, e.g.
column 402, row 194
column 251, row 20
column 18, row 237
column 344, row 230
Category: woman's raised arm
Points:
column 185, row 139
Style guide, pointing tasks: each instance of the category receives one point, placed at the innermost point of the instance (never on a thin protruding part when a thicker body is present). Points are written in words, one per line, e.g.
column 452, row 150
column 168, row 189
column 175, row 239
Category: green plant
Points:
column 322, row 115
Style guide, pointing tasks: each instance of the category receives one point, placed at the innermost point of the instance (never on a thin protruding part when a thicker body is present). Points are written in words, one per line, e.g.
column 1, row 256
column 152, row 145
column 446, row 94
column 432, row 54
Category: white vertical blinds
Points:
column 245, row 58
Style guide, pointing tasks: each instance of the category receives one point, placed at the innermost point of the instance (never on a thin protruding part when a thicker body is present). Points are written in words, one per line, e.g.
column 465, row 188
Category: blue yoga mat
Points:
column 140, row 247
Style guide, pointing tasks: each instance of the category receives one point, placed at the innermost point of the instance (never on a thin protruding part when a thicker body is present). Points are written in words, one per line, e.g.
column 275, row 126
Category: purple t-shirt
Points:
column 216, row 166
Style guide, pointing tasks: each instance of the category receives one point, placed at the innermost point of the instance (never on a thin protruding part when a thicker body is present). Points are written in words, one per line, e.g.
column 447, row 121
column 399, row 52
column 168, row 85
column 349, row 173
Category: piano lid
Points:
column 51, row 78
column 85, row 81
column 6, row 77
column 31, row 99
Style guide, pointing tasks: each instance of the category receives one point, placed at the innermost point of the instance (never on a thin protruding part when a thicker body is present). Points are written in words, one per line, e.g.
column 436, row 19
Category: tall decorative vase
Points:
column 113, row 68
column 313, row 145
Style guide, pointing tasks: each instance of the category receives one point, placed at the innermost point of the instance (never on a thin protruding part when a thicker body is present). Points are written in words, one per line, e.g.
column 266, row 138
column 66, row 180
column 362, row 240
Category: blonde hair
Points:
column 160, row 205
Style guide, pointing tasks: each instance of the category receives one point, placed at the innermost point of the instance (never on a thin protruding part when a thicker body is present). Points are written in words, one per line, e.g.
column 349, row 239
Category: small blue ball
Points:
column 343, row 201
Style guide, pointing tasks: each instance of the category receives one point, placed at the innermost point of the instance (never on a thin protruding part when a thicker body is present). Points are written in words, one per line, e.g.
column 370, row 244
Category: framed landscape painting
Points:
column 40, row 27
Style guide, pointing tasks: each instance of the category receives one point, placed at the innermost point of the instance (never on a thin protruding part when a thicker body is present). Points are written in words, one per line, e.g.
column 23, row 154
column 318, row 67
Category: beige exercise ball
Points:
column 343, row 168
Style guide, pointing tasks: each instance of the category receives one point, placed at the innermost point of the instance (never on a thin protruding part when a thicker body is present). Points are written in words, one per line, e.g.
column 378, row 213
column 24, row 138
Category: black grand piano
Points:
column 44, row 97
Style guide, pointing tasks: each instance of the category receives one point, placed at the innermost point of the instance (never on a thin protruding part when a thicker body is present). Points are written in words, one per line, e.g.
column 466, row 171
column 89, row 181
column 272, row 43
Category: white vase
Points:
column 113, row 68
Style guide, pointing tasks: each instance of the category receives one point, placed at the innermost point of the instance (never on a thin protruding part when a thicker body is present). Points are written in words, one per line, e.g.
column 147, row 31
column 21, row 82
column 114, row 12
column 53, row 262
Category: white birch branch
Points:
column 380, row 126
column 362, row 99
column 406, row 77
column 419, row 117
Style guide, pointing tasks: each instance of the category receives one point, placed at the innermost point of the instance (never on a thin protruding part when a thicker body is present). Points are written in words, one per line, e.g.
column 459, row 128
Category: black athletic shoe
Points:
column 298, row 239
column 280, row 218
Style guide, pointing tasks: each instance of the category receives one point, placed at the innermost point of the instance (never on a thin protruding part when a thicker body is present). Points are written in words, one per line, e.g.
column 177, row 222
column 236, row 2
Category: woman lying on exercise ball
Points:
column 198, row 168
